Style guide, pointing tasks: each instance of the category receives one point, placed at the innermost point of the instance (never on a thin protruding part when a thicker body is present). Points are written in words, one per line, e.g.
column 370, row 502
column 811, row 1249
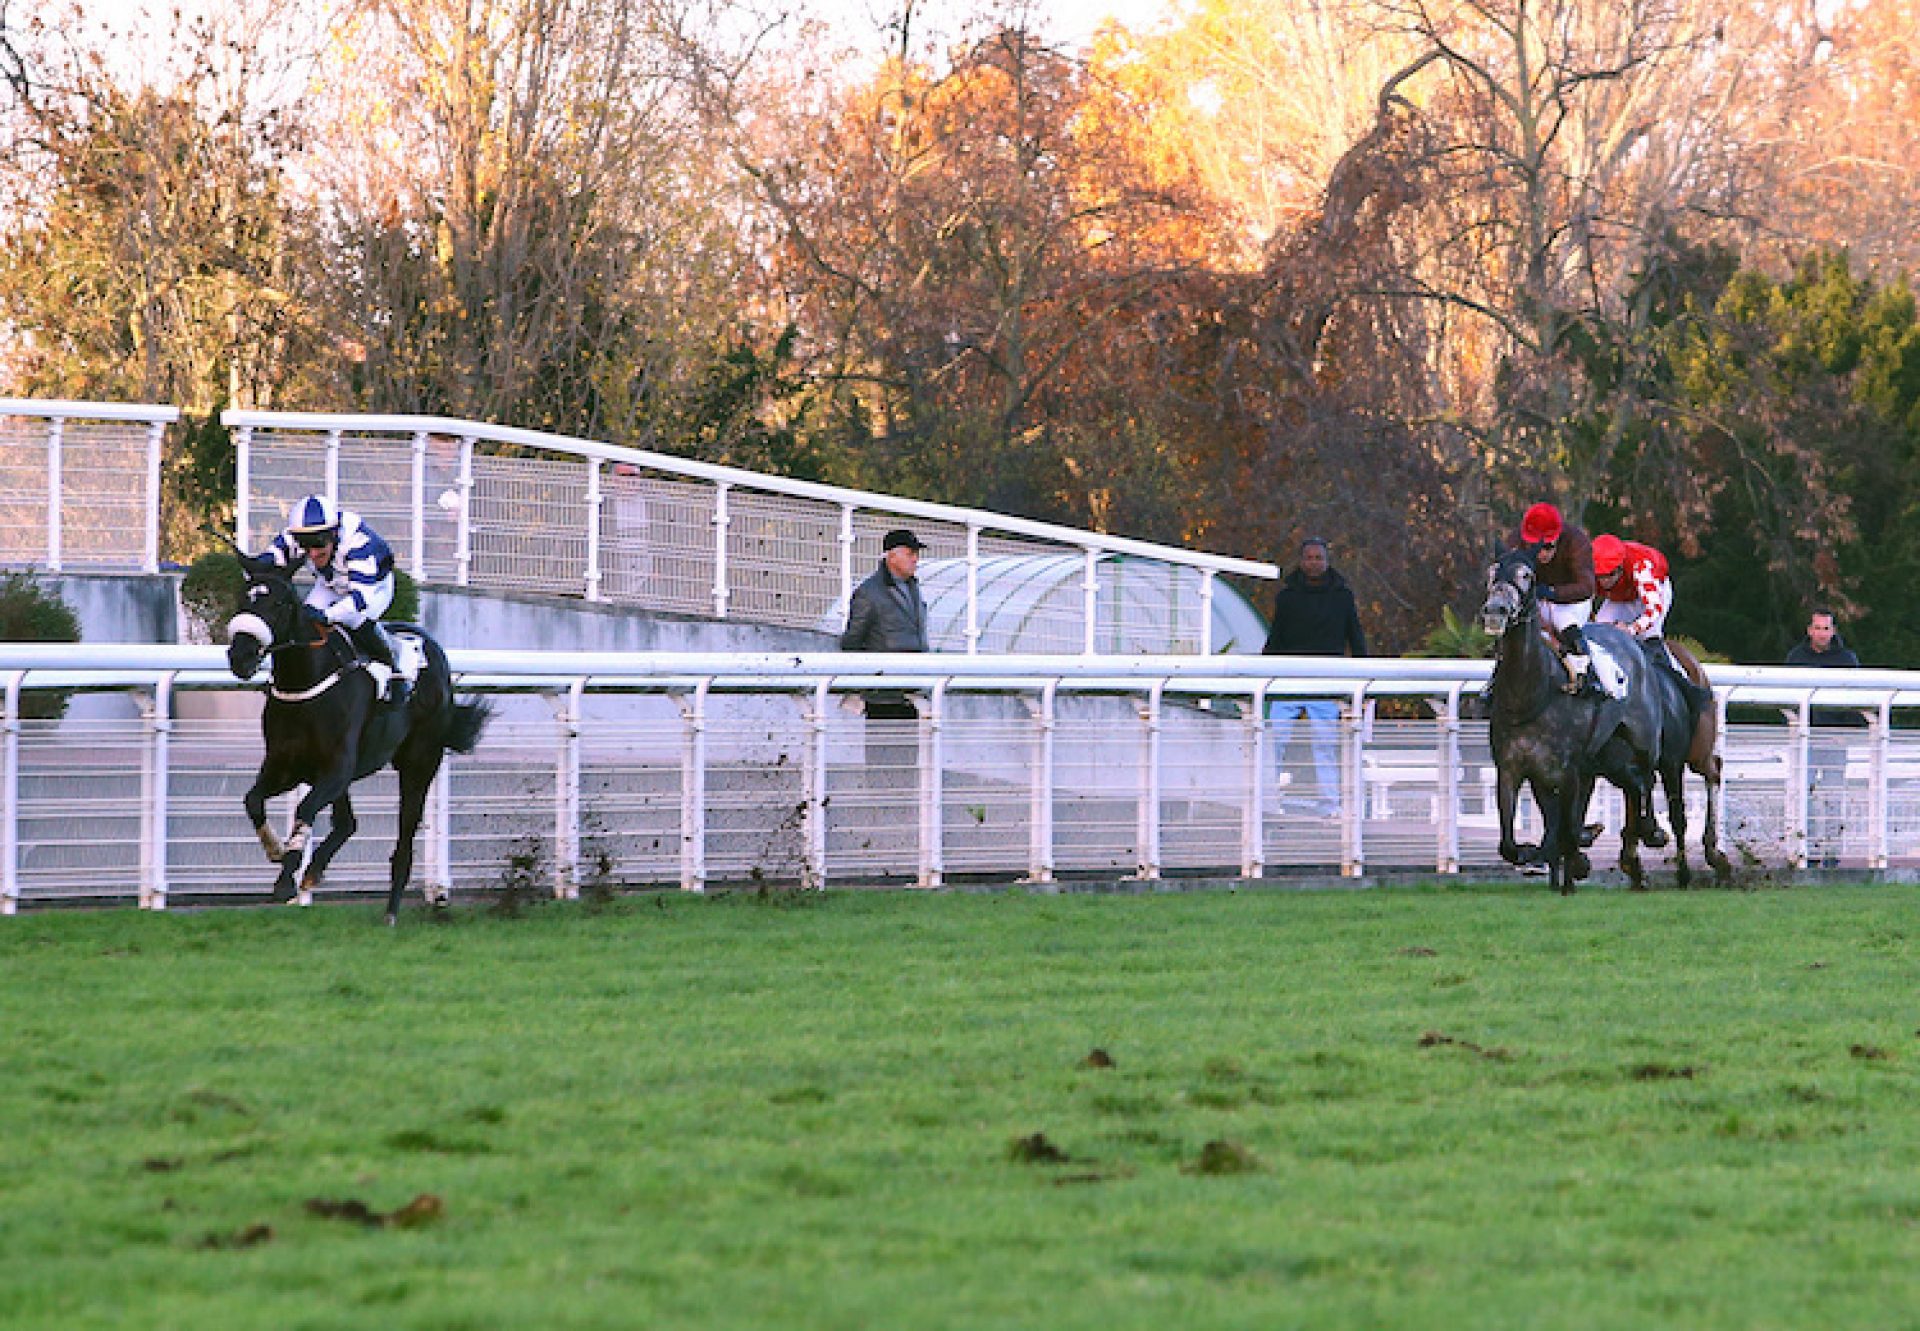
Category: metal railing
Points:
column 80, row 485
column 695, row 770
column 519, row 510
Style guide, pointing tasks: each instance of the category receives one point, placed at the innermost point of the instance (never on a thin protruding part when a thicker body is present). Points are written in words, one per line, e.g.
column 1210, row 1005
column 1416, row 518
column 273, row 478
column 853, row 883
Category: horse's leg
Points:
column 417, row 771
column 1634, row 796
column 325, row 792
column 1507, row 795
column 1673, row 778
column 271, row 781
column 1563, row 845
column 341, row 824
column 1702, row 758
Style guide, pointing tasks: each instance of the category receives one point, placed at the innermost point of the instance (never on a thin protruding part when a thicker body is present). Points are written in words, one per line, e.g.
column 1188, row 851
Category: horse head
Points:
column 274, row 617
column 1510, row 590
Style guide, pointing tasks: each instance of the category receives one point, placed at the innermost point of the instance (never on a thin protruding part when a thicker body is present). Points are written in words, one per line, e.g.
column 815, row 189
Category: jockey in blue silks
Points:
column 353, row 576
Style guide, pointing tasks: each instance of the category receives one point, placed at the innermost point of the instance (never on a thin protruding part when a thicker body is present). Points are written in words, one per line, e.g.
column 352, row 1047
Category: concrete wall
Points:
column 121, row 607
column 461, row 618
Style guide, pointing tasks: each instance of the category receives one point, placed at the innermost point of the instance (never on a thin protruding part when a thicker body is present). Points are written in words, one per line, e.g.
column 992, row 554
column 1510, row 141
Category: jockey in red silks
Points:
column 1636, row 592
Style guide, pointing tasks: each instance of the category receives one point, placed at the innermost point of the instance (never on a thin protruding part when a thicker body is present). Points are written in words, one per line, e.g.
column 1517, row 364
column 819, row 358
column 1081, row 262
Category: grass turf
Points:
column 1397, row 1108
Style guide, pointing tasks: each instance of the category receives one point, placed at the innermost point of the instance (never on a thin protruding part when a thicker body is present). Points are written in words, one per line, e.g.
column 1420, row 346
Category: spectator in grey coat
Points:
column 887, row 614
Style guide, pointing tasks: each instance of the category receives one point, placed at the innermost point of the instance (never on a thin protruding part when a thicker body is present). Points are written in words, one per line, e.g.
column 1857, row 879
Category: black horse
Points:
column 325, row 726
column 1556, row 742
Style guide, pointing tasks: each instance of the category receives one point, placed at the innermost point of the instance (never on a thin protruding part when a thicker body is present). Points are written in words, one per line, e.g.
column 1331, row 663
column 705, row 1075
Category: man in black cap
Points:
column 887, row 614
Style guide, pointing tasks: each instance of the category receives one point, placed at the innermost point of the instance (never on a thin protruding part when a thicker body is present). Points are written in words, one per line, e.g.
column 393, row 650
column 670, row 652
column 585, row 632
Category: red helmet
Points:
column 1609, row 553
column 1540, row 525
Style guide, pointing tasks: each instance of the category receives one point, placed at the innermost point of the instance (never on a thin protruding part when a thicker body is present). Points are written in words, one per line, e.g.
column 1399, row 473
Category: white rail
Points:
column 509, row 509
column 80, row 485
column 699, row 769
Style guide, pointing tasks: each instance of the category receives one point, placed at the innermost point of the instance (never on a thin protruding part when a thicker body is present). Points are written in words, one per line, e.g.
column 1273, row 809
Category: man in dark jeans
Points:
column 1314, row 615
column 887, row 614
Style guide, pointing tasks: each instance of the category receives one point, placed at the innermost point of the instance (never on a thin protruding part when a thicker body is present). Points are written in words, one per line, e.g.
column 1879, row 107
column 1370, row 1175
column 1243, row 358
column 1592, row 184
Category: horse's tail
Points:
column 465, row 725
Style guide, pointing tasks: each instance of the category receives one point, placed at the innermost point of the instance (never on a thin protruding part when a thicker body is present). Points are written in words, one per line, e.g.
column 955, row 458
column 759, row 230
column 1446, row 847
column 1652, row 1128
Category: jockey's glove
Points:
column 342, row 610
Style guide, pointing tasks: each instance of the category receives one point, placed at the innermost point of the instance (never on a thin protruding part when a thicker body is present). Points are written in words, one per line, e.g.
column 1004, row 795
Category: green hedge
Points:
column 32, row 613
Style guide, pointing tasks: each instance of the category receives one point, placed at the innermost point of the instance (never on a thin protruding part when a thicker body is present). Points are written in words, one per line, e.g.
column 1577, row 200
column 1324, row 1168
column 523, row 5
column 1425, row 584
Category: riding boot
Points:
column 373, row 642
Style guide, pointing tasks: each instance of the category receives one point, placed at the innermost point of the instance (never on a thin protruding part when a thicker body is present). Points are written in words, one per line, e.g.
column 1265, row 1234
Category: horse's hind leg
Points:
column 416, row 778
column 340, row 825
column 1709, row 770
column 1674, row 781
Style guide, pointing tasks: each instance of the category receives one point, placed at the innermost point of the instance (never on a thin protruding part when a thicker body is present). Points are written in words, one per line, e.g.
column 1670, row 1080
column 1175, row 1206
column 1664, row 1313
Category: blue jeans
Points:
column 1323, row 725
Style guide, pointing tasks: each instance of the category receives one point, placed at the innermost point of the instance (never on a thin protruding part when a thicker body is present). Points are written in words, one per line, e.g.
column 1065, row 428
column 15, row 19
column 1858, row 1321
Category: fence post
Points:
column 242, row 486
column 933, row 830
column 693, row 791
column 1253, row 818
column 10, row 796
column 1207, row 575
column 56, row 429
column 566, row 803
column 846, row 560
column 417, row 559
column 1148, row 838
column 150, row 555
column 438, row 817
column 594, row 500
column 1799, row 787
column 720, row 524
column 463, row 539
column 1040, row 808
column 155, row 782
column 1879, row 837
column 1449, row 820
column 1353, row 857
column 814, row 869
column 333, row 465
column 1090, row 601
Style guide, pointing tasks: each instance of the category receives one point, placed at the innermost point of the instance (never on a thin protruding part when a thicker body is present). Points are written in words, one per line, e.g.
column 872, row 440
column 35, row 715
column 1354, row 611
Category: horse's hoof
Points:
column 1590, row 834
column 392, row 921
column 1579, row 867
column 1653, row 836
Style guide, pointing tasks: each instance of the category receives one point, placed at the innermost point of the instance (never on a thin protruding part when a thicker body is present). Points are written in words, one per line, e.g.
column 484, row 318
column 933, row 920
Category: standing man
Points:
column 1823, row 647
column 887, row 614
column 1314, row 615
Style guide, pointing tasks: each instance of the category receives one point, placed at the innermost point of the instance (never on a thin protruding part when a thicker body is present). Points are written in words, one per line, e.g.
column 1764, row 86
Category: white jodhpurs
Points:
column 1625, row 612
column 1557, row 615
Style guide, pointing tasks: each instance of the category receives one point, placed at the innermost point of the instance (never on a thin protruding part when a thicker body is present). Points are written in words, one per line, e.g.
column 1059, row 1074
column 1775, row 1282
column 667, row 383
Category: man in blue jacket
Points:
column 1314, row 614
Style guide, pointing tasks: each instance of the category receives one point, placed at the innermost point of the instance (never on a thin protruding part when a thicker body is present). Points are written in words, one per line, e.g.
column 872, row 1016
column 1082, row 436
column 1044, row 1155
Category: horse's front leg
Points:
column 326, row 791
column 1634, row 797
column 1568, row 865
column 268, row 783
column 1677, row 815
column 341, row 824
column 1506, row 794
column 417, row 770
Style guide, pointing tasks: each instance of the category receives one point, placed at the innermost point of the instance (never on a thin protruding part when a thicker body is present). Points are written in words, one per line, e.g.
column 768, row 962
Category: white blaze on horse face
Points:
column 251, row 626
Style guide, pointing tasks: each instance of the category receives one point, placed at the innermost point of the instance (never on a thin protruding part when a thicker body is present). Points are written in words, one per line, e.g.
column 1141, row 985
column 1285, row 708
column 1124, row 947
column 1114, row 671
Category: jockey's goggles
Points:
column 315, row 540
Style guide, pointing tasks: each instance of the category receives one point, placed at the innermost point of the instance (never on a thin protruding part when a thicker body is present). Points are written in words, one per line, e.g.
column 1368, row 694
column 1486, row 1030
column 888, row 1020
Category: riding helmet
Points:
column 1540, row 525
column 315, row 513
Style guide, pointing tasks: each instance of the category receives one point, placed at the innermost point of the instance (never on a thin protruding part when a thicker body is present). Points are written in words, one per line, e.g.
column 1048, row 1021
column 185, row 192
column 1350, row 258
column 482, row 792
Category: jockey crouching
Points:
column 353, row 578
column 1566, row 587
column 1636, row 593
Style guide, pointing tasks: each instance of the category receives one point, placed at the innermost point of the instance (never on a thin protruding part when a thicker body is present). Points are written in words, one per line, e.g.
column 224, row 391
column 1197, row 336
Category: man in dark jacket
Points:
column 1314, row 615
column 887, row 614
column 1823, row 647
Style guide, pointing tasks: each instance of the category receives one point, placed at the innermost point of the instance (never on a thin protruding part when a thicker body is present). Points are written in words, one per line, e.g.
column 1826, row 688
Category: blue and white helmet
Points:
column 313, row 516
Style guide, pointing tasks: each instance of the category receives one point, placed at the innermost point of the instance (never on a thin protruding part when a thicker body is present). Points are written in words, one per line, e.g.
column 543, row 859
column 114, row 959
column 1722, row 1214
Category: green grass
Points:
column 1443, row 1108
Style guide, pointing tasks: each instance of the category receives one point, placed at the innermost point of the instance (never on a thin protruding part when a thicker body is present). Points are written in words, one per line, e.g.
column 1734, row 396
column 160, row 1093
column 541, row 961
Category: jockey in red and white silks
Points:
column 1636, row 592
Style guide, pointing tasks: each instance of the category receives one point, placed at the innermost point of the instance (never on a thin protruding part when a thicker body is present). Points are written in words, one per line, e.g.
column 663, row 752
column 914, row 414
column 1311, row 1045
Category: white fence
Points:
column 518, row 510
column 80, row 485
column 690, row 771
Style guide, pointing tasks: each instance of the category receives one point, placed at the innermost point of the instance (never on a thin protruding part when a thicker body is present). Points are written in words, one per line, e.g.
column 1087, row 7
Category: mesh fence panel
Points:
column 103, row 488
column 23, row 490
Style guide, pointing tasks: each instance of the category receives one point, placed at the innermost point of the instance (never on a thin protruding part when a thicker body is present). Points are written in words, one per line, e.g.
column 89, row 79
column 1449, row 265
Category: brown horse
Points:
column 1696, row 748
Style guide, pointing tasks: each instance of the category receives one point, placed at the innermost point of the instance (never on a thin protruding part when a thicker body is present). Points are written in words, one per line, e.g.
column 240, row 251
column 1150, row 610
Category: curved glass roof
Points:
column 1034, row 604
